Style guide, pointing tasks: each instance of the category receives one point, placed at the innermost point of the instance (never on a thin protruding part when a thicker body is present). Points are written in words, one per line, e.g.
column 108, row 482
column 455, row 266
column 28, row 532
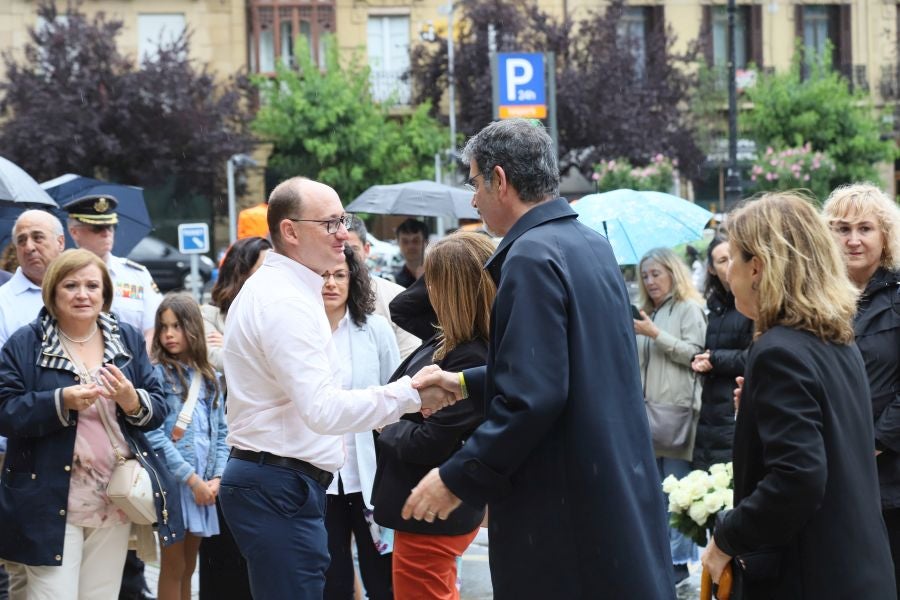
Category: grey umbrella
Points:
column 18, row 187
column 416, row 198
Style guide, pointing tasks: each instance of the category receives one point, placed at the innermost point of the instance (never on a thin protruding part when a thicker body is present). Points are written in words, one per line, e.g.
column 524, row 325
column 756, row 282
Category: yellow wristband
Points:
column 464, row 391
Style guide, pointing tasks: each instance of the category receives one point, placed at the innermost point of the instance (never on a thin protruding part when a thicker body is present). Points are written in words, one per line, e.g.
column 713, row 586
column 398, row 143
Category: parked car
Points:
column 170, row 268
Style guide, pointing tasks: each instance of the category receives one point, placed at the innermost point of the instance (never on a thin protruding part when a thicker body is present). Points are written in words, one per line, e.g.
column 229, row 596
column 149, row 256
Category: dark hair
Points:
column 236, row 267
column 187, row 311
column 413, row 226
column 524, row 151
column 714, row 285
column 360, row 293
column 359, row 228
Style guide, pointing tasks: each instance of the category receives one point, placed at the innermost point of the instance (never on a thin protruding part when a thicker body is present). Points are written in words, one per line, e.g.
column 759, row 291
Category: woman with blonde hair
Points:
column 805, row 488
column 671, row 331
column 865, row 222
column 462, row 293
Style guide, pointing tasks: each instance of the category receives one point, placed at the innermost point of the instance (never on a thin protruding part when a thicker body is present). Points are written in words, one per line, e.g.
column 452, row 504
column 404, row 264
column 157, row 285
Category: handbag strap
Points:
column 187, row 411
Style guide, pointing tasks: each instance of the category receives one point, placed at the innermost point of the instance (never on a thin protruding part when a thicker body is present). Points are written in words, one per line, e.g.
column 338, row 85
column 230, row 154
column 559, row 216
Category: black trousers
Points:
column 134, row 586
column 343, row 517
column 223, row 571
column 892, row 522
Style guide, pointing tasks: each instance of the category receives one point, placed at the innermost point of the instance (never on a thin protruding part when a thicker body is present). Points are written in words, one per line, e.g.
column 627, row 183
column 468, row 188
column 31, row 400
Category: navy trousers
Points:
column 277, row 516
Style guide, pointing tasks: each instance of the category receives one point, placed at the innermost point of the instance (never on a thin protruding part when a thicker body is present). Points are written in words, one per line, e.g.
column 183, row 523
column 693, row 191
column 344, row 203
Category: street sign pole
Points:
column 550, row 64
column 193, row 239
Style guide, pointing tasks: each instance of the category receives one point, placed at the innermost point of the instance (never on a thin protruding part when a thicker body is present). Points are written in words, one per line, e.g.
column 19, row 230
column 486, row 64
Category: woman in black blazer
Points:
column 805, row 488
column 424, row 564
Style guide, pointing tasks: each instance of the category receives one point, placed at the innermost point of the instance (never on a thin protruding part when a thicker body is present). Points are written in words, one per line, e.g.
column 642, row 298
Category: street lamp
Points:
column 451, row 83
column 733, row 190
column 240, row 161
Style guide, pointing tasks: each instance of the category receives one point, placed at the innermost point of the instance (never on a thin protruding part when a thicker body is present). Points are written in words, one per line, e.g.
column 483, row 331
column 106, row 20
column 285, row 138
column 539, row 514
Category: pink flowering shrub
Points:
column 793, row 168
column 619, row 173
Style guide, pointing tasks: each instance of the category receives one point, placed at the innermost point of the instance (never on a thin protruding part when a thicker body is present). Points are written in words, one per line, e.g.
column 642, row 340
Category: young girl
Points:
column 193, row 441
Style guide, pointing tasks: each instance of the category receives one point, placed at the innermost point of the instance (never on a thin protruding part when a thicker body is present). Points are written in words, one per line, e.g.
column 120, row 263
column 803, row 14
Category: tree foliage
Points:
column 75, row 104
column 607, row 106
column 788, row 110
column 325, row 125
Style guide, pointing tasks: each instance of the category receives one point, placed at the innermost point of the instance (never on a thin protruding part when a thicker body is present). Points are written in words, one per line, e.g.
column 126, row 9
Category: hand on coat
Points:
column 80, row 397
column 702, row 363
column 737, row 392
column 714, row 560
column 646, row 326
column 430, row 499
column 115, row 386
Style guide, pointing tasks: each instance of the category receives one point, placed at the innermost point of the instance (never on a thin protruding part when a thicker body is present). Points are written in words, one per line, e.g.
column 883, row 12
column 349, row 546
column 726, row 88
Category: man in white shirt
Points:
column 385, row 290
column 286, row 409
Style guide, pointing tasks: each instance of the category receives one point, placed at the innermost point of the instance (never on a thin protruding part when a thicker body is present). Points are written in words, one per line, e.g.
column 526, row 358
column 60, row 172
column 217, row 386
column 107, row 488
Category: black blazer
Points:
column 804, row 473
column 410, row 448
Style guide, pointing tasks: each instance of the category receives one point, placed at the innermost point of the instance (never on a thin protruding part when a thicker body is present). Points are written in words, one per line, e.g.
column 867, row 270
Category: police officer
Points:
column 92, row 225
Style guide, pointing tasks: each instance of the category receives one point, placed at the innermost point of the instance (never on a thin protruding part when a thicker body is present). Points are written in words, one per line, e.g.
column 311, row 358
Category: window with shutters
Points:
column 276, row 24
column 388, row 50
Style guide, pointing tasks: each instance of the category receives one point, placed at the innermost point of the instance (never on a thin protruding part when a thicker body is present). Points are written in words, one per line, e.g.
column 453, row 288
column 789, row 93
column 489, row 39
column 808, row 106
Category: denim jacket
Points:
column 180, row 456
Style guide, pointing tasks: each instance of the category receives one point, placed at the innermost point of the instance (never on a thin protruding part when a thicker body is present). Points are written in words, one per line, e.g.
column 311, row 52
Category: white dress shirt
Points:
column 283, row 372
column 20, row 303
column 135, row 296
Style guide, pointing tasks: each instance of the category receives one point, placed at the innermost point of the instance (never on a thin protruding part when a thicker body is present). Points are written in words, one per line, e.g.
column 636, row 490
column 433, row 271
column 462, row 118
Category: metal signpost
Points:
column 193, row 239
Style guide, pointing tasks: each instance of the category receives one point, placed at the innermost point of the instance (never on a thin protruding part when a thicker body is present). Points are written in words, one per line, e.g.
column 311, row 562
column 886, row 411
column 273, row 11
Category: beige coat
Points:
column 665, row 362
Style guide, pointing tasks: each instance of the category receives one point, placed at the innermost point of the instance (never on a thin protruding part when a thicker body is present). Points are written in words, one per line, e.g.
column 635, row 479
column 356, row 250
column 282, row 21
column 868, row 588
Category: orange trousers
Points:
column 424, row 566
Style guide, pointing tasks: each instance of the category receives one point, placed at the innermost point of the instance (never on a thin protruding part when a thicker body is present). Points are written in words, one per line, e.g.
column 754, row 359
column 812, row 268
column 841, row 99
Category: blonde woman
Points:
column 671, row 331
column 865, row 222
column 805, row 488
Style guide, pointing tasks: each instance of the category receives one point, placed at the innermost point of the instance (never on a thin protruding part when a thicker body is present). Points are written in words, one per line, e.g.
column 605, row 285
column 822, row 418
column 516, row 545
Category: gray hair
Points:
column 358, row 227
column 525, row 152
column 56, row 226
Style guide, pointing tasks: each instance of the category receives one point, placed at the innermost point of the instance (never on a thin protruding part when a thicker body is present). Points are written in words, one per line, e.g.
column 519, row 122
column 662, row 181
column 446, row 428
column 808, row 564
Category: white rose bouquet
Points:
column 695, row 500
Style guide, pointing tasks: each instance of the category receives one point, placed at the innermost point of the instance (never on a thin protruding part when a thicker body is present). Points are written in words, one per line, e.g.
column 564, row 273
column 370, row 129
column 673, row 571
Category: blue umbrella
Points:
column 635, row 222
column 134, row 220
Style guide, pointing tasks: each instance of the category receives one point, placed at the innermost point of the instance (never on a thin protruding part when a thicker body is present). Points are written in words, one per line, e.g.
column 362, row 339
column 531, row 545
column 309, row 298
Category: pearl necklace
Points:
column 82, row 340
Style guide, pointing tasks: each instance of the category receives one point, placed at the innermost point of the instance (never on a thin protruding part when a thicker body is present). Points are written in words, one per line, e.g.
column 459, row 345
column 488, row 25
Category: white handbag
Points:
column 130, row 487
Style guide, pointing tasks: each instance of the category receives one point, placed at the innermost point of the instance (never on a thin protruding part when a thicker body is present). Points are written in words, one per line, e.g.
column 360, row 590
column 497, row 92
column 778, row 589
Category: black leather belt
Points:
column 323, row 477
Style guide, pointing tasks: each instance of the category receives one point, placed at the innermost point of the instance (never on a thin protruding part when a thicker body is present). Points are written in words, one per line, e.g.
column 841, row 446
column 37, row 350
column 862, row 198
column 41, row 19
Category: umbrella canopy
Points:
column 17, row 187
column 134, row 220
column 416, row 198
column 635, row 222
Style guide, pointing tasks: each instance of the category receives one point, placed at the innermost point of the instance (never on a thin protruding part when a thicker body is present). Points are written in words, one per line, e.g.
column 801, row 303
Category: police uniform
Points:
column 135, row 295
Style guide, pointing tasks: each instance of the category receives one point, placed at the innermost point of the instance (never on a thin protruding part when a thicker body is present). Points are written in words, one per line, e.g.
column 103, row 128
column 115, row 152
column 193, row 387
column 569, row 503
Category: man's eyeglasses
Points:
column 470, row 182
column 340, row 277
column 331, row 225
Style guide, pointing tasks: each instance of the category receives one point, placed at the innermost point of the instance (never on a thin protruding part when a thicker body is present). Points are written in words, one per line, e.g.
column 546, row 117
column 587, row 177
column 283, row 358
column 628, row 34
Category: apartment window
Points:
column 388, row 49
column 821, row 24
column 275, row 25
column 157, row 30
column 635, row 33
column 720, row 36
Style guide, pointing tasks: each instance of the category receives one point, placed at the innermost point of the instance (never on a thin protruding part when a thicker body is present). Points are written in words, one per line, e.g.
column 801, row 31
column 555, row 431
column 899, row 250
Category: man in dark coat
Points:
column 563, row 459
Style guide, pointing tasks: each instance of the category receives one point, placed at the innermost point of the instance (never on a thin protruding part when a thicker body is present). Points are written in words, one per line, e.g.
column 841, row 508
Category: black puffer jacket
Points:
column 877, row 327
column 728, row 335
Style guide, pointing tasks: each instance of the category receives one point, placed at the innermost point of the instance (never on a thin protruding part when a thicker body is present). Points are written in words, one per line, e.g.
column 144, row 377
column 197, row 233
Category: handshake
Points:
column 438, row 389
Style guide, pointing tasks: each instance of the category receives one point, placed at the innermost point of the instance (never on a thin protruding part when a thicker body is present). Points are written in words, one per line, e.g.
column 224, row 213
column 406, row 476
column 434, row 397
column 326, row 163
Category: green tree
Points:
column 812, row 103
column 325, row 125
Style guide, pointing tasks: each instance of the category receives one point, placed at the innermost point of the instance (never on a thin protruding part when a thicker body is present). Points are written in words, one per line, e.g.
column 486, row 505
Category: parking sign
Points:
column 193, row 238
column 521, row 89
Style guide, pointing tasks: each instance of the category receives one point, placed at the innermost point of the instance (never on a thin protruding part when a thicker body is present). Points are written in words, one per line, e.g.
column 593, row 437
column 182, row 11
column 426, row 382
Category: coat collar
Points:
column 53, row 355
column 543, row 212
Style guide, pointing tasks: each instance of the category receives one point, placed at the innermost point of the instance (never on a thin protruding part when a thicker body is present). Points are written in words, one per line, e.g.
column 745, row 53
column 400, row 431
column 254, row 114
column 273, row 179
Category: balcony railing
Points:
column 390, row 87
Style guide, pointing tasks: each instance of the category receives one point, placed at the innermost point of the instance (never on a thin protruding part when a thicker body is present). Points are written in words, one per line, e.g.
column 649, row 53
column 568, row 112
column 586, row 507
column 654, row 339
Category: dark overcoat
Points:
column 34, row 484
column 728, row 334
column 805, row 487
column 563, row 459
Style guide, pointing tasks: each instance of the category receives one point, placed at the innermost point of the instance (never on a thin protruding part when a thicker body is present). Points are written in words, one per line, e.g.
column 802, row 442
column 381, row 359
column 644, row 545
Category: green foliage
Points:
column 620, row 174
column 793, row 168
column 325, row 125
column 790, row 110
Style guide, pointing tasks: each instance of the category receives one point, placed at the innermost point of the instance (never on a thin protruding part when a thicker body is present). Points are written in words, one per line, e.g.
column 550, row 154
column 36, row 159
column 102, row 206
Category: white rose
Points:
column 729, row 499
column 721, row 480
column 669, row 484
column 717, row 468
column 698, row 513
column 700, row 485
column 729, row 468
column 713, row 501
column 681, row 497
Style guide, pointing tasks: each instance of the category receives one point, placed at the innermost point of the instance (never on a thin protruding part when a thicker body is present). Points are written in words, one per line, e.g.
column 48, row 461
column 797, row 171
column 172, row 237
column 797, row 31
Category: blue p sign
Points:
column 521, row 80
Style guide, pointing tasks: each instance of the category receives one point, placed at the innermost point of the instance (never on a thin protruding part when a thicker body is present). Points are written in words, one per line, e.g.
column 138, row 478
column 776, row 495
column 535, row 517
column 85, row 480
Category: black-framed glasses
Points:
column 331, row 225
column 470, row 182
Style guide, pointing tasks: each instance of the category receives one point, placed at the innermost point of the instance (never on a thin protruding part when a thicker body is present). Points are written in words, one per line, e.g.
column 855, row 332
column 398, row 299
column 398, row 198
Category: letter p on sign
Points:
column 518, row 72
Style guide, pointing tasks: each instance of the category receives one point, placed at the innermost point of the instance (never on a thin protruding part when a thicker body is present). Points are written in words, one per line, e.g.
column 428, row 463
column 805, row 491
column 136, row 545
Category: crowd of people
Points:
column 311, row 405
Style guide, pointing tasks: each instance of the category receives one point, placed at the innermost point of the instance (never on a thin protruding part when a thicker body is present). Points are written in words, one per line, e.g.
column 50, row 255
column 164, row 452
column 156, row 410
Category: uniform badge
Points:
column 101, row 205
